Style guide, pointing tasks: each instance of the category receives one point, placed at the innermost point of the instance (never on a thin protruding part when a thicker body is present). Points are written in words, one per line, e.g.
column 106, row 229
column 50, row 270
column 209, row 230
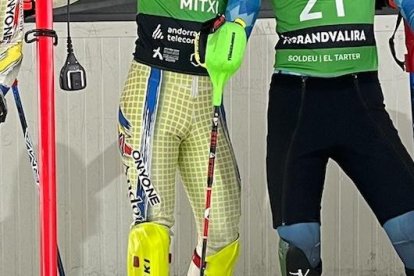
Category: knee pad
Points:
column 304, row 236
column 148, row 250
column 400, row 230
column 221, row 263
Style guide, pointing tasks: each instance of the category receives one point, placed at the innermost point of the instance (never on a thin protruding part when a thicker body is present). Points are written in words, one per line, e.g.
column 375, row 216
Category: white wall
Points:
column 94, row 213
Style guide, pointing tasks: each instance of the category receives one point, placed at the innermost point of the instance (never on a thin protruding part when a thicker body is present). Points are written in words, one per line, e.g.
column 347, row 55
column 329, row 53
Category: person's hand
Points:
column 220, row 49
column 218, row 39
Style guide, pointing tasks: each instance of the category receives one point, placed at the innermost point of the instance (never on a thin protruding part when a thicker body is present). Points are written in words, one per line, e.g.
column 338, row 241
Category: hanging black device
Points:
column 72, row 74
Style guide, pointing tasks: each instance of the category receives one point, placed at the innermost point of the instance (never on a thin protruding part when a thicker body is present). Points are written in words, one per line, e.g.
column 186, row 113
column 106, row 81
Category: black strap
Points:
column 41, row 32
column 392, row 44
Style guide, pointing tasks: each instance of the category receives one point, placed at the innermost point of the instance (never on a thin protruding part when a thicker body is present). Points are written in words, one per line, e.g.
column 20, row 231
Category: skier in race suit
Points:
column 325, row 102
column 12, row 14
column 11, row 40
column 164, row 125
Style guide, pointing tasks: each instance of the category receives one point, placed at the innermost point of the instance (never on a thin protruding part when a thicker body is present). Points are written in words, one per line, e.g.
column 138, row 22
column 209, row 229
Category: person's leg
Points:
column 222, row 243
column 400, row 230
column 11, row 57
column 372, row 154
column 151, row 116
column 297, row 154
column 10, row 61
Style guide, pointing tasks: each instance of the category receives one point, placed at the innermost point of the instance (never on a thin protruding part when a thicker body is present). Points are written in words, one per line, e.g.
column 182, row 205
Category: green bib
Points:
column 325, row 38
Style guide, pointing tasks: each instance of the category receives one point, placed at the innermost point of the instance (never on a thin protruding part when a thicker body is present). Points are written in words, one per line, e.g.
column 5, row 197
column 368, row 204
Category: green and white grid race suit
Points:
column 12, row 13
column 165, row 119
column 11, row 36
column 11, row 39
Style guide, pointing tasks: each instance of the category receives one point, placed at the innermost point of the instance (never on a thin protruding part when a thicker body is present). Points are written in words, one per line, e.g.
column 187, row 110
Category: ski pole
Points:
column 221, row 62
column 31, row 153
column 210, row 177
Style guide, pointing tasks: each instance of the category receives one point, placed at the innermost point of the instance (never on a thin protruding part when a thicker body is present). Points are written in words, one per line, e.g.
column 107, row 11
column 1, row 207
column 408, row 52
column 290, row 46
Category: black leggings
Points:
column 313, row 119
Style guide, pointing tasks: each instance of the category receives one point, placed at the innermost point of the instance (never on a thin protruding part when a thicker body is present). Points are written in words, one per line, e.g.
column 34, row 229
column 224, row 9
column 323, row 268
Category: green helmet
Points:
column 224, row 51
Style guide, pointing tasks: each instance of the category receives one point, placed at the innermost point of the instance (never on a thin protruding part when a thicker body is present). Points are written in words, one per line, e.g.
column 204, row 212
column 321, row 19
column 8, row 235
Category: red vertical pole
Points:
column 47, row 159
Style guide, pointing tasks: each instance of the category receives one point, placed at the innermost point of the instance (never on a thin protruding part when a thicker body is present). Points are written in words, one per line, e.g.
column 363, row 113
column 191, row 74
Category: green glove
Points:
column 224, row 51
